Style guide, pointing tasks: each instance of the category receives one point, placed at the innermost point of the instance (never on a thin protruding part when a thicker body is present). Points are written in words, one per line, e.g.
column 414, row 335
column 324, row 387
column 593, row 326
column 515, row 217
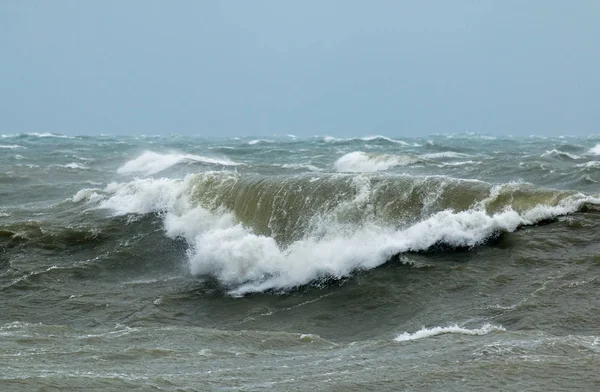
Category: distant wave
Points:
column 49, row 134
column 301, row 166
column 459, row 163
column 11, row 146
column 74, row 165
column 151, row 162
column 359, row 161
column 383, row 138
column 445, row 154
column 560, row 154
column 38, row 135
column 259, row 141
column 376, row 138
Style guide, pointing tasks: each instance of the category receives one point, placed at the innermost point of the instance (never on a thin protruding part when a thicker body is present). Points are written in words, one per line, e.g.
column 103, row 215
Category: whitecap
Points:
column 459, row 163
column 384, row 138
column 74, row 165
column 590, row 164
column 49, row 134
column 560, row 154
column 258, row 141
column 453, row 329
column 151, row 162
column 595, row 150
column 359, row 161
column 301, row 166
column 445, row 154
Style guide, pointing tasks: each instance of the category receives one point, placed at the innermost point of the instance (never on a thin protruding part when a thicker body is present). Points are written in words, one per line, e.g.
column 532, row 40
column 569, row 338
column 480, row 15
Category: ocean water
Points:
column 457, row 262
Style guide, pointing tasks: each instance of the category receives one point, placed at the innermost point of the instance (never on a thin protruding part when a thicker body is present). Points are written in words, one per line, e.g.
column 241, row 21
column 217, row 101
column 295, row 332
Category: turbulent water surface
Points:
column 450, row 262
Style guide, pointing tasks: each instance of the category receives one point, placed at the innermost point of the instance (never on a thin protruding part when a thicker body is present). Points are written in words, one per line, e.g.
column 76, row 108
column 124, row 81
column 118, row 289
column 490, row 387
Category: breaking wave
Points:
column 255, row 233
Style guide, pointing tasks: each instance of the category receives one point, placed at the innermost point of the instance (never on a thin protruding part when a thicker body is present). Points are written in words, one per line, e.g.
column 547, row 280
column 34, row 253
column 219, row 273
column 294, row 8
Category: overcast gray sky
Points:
column 397, row 68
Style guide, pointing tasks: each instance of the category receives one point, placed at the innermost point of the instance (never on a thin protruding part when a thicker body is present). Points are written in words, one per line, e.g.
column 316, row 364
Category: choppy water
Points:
column 451, row 262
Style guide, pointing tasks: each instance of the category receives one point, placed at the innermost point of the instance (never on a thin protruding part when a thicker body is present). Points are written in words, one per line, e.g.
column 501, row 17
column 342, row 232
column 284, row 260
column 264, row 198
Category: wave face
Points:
column 254, row 233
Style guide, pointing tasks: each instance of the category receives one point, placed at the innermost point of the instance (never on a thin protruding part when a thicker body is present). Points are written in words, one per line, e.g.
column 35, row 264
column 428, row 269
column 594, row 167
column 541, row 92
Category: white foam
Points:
column 453, row 329
column 220, row 246
column 11, row 146
column 595, row 150
column 359, row 161
column 151, row 162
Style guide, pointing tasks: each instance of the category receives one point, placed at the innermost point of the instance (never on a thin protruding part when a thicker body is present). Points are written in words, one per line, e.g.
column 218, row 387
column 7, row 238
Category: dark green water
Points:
column 452, row 262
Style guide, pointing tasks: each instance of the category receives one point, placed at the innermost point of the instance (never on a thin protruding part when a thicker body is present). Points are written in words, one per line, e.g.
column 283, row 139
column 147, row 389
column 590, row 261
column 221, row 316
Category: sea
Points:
column 451, row 262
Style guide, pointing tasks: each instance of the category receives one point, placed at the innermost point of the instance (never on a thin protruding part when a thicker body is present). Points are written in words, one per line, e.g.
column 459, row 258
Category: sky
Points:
column 341, row 68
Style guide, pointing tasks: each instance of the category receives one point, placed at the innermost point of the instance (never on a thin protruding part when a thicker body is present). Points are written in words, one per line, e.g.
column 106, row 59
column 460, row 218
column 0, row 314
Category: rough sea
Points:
column 458, row 262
